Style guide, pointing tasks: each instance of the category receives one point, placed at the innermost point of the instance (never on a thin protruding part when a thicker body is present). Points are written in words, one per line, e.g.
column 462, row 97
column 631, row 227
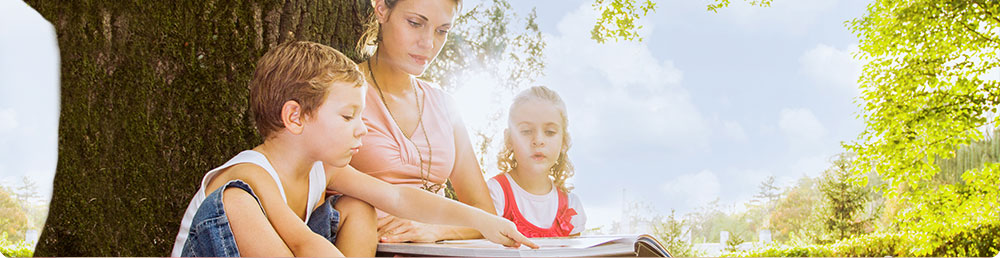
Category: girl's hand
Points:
column 504, row 232
column 396, row 230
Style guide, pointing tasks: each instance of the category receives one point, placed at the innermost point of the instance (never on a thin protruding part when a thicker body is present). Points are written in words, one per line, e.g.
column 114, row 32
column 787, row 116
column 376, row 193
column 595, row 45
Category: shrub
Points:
column 11, row 249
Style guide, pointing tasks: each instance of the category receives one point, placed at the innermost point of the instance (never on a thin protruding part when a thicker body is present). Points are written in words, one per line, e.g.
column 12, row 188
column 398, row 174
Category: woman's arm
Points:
column 419, row 205
column 467, row 177
column 470, row 188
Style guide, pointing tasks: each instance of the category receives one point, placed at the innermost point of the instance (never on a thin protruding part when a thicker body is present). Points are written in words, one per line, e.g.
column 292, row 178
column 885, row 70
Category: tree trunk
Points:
column 154, row 94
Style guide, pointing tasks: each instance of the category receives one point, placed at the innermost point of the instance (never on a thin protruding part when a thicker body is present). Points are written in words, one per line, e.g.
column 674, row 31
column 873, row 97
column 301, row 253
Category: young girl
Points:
column 531, row 189
column 306, row 100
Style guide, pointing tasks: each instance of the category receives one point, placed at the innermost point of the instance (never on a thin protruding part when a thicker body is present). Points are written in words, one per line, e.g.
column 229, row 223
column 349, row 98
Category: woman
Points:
column 415, row 136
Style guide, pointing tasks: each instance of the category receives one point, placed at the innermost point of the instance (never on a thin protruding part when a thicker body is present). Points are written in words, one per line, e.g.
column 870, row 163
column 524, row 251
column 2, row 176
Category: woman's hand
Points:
column 395, row 230
column 502, row 231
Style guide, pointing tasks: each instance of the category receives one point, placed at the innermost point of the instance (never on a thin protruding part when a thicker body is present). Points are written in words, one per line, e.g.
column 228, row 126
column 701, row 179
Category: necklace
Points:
column 421, row 103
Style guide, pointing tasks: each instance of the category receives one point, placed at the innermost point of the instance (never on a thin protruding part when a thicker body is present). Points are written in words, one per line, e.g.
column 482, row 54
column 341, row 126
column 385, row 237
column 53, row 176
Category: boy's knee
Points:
column 353, row 207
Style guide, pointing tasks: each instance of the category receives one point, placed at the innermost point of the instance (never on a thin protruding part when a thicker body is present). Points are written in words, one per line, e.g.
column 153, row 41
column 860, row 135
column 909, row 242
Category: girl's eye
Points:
column 525, row 131
column 348, row 118
column 442, row 32
column 413, row 23
column 550, row 133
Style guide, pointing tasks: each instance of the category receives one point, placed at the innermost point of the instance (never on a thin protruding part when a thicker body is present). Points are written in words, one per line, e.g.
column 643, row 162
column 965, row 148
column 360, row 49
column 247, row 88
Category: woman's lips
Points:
column 421, row 60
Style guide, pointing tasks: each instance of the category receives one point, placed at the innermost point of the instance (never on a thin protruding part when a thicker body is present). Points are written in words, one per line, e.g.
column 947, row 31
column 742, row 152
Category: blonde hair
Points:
column 297, row 70
column 563, row 168
column 372, row 34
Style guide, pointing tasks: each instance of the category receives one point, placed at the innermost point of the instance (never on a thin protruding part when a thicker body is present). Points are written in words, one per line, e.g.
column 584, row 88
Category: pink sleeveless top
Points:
column 387, row 154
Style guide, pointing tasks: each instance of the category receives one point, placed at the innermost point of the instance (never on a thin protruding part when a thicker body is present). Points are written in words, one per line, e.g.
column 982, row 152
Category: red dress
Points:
column 560, row 227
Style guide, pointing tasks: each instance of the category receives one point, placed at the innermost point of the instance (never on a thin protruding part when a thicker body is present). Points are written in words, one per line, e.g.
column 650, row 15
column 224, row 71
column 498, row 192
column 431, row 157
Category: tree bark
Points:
column 154, row 94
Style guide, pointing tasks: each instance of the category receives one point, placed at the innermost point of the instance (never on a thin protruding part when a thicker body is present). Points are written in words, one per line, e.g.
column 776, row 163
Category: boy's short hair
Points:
column 297, row 70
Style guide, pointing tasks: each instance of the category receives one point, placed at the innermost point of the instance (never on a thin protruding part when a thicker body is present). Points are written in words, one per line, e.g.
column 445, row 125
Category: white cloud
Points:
column 833, row 67
column 8, row 120
column 691, row 190
column 812, row 166
column 618, row 94
column 733, row 130
column 800, row 127
column 790, row 16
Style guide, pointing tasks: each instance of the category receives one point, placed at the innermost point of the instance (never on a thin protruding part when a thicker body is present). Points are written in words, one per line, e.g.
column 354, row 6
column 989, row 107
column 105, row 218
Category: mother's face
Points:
column 413, row 32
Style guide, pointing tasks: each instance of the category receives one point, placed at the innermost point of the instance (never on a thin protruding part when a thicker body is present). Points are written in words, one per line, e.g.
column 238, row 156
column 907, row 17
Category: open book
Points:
column 616, row 245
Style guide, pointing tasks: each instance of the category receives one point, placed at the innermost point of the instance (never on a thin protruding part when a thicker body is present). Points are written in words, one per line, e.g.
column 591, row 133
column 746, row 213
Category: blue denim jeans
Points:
column 211, row 235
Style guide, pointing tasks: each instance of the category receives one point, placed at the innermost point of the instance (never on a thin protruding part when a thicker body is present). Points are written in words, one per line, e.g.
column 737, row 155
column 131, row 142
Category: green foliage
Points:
column 796, row 214
column 618, row 19
column 922, row 91
column 670, row 232
column 868, row 245
column 719, row 4
column 844, row 201
column 872, row 245
column 766, row 198
column 154, row 94
column 13, row 219
column 11, row 248
column 708, row 221
column 486, row 43
column 486, row 46
column 960, row 219
column 784, row 251
column 734, row 242
column 982, row 241
column 968, row 157
column 924, row 95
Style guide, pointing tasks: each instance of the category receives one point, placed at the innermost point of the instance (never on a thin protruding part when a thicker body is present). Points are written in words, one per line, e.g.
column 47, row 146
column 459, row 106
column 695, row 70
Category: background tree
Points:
column 926, row 90
column 796, row 213
column 154, row 94
column 27, row 192
column 619, row 18
column 490, row 46
column 709, row 220
column 671, row 232
column 844, row 200
column 766, row 198
column 719, row 4
column 13, row 220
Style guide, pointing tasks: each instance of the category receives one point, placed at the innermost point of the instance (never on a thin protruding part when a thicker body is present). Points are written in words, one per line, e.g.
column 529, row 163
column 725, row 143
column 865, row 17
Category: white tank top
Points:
column 317, row 187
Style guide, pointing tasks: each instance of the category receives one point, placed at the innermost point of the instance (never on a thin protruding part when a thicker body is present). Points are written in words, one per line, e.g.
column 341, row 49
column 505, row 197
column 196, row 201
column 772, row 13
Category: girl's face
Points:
column 413, row 32
column 335, row 129
column 536, row 135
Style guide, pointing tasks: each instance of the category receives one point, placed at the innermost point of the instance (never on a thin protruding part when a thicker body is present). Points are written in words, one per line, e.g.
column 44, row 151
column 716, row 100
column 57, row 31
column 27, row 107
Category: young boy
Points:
column 306, row 100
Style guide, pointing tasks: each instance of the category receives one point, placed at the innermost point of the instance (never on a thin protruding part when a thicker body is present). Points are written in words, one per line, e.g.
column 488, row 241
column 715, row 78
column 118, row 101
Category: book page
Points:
column 543, row 243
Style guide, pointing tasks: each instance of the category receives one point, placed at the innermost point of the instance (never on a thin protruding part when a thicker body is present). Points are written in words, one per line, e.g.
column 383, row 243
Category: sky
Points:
column 706, row 107
column 29, row 97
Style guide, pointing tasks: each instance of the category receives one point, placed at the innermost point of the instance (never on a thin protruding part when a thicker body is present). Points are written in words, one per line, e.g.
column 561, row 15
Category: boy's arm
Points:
column 419, row 205
column 301, row 240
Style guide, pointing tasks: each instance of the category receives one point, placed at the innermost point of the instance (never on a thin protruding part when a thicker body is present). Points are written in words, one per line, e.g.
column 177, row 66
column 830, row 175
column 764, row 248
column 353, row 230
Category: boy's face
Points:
column 536, row 135
column 335, row 129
